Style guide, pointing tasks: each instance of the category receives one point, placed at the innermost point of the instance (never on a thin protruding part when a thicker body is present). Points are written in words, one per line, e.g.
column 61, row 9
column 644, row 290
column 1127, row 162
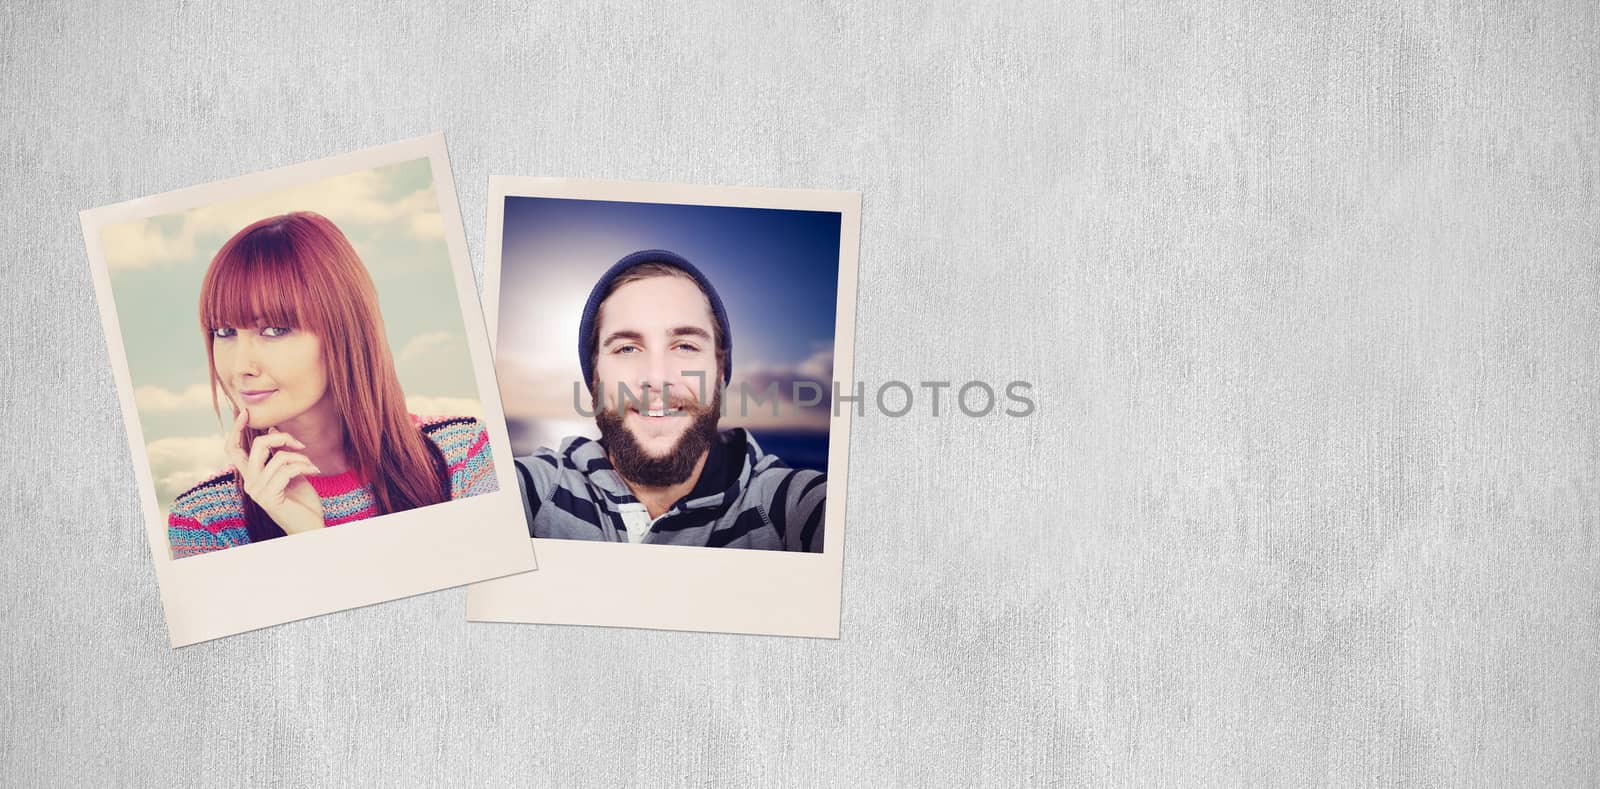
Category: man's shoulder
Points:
column 765, row 467
column 576, row 454
column 567, row 488
column 792, row 500
column 778, row 477
column 772, row 479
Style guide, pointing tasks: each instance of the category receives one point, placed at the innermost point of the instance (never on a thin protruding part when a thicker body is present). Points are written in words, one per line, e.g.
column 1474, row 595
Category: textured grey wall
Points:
column 1311, row 299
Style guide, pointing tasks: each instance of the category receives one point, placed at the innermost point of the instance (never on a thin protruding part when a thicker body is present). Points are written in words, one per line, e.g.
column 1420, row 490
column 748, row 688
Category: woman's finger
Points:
column 266, row 481
column 284, row 457
column 275, row 481
column 294, row 442
column 280, row 461
column 233, row 440
column 277, row 431
column 261, row 449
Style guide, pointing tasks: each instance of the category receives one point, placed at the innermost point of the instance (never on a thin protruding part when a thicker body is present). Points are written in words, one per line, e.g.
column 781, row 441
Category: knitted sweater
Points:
column 210, row 516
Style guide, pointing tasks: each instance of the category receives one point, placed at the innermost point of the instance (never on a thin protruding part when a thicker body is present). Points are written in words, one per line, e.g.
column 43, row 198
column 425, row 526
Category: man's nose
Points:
column 657, row 373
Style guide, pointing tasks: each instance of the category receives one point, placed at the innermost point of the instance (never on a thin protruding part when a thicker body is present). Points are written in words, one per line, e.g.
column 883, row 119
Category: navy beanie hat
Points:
column 591, row 308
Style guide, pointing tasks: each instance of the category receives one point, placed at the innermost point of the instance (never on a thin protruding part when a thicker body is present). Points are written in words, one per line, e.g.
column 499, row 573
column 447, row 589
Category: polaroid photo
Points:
column 668, row 357
column 308, row 390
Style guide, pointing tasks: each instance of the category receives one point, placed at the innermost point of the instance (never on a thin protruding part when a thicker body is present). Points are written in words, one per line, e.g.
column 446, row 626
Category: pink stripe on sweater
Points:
column 472, row 452
column 329, row 485
column 214, row 527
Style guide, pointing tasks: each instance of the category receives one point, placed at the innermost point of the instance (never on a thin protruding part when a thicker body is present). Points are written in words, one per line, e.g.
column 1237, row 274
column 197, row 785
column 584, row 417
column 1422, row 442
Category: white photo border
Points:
column 711, row 589
column 361, row 563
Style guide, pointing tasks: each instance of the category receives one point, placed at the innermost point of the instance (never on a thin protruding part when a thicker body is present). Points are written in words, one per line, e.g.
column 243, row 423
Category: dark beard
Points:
column 641, row 468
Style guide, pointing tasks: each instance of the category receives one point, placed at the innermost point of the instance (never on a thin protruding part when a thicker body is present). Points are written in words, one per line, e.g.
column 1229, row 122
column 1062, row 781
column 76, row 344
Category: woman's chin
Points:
column 263, row 423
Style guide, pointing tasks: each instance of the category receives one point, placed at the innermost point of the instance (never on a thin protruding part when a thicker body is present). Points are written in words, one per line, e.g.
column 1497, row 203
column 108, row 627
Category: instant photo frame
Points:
column 351, row 564
column 678, row 587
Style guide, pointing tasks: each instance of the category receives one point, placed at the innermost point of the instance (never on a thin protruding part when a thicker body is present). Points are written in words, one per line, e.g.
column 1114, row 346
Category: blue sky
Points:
column 776, row 270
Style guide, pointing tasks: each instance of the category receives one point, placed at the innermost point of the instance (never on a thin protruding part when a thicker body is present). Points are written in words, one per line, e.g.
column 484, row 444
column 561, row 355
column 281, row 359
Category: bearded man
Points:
column 655, row 348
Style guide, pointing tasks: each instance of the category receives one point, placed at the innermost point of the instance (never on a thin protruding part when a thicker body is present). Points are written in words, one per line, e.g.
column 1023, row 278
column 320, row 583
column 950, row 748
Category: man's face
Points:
column 655, row 337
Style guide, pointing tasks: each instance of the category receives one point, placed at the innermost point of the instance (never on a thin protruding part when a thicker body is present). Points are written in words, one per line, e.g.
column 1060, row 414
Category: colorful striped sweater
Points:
column 210, row 516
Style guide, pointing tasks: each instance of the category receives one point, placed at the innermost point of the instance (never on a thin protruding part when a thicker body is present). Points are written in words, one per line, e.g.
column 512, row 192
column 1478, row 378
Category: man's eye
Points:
column 274, row 331
column 223, row 332
column 625, row 349
column 687, row 346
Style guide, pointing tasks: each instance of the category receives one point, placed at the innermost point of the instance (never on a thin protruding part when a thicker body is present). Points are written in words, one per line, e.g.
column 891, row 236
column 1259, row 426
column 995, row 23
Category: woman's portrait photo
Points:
column 300, row 361
column 320, row 433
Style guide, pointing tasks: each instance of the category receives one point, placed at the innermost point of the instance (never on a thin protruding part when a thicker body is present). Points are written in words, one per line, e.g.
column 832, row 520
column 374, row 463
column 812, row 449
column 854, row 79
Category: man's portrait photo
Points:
column 668, row 370
column 676, row 365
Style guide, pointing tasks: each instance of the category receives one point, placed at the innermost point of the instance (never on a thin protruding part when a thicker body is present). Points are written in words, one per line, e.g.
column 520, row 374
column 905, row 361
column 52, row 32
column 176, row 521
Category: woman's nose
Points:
column 246, row 361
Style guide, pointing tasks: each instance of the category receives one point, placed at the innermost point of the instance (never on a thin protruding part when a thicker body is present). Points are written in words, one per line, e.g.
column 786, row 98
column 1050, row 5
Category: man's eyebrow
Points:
column 690, row 331
column 622, row 334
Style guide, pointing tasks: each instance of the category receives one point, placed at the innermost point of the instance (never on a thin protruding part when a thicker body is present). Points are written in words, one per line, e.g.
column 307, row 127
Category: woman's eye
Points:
column 223, row 332
column 274, row 331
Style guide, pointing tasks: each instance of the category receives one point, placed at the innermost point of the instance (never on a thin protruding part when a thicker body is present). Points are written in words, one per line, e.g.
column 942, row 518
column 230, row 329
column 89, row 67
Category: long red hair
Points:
column 298, row 270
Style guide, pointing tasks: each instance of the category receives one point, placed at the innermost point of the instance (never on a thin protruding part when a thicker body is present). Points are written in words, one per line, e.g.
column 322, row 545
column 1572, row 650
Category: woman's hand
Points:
column 275, row 477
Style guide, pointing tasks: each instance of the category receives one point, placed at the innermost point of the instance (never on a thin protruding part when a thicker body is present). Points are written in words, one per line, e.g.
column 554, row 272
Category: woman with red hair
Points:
column 320, row 432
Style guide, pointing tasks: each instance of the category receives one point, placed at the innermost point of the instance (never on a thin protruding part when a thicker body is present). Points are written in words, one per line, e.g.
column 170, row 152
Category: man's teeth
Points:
column 656, row 412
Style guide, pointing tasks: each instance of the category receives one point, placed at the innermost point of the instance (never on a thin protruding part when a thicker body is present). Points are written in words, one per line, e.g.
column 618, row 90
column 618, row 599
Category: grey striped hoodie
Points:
column 744, row 498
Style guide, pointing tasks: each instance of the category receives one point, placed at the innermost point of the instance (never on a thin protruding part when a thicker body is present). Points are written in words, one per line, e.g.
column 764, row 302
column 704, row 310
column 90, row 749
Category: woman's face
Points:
column 276, row 373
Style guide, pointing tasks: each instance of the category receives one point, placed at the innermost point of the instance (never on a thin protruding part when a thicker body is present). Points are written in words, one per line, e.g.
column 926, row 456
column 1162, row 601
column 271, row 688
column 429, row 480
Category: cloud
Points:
column 428, row 226
column 422, row 206
column 141, row 243
column 529, row 390
column 177, row 464
column 818, row 367
column 815, row 369
column 158, row 400
column 424, row 346
column 359, row 198
column 444, row 406
column 748, row 403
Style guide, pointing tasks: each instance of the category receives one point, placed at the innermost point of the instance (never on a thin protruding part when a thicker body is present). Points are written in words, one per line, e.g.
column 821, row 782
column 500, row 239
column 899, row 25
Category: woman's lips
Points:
column 255, row 396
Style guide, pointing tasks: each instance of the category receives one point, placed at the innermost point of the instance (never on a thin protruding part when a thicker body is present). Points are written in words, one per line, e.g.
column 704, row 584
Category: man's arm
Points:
column 532, row 492
column 807, row 499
